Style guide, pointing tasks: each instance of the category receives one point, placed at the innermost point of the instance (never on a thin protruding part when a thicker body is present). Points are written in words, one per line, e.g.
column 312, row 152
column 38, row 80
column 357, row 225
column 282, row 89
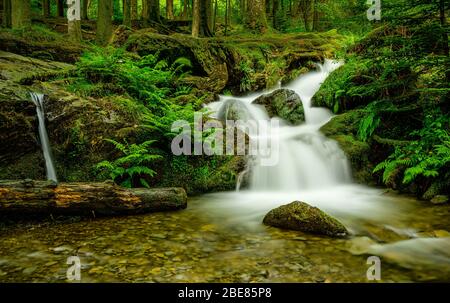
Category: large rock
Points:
column 303, row 217
column 233, row 110
column 343, row 128
column 283, row 103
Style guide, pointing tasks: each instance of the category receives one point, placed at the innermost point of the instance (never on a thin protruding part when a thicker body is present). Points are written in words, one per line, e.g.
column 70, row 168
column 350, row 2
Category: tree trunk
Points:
column 84, row 10
column 227, row 16
column 127, row 13
column 144, row 12
column 7, row 13
column 169, row 9
column 185, row 8
column 196, row 18
column 134, row 10
column 20, row 13
column 315, row 25
column 205, row 18
column 153, row 13
column 60, row 8
column 46, row 8
column 44, row 198
column 443, row 20
column 275, row 7
column 242, row 8
column 214, row 17
column 104, row 21
column 256, row 16
column 73, row 20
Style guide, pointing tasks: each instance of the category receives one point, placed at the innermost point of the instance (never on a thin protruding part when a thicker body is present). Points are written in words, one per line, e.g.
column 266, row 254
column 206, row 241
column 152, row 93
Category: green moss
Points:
column 303, row 217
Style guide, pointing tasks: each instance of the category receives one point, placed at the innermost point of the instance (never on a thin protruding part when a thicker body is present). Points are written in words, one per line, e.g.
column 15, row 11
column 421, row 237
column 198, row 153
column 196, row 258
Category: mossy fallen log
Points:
column 30, row 197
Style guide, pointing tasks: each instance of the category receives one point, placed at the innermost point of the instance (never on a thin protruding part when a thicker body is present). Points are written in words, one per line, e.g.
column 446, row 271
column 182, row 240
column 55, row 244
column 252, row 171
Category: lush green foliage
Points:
column 428, row 156
column 132, row 168
column 105, row 71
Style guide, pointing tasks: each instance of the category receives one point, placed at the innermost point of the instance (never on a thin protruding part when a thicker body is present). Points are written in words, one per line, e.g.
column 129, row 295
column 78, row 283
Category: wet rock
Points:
column 441, row 233
column 303, row 217
column 439, row 199
column 343, row 129
column 233, row 110
column 359, row 245
column 283, row 103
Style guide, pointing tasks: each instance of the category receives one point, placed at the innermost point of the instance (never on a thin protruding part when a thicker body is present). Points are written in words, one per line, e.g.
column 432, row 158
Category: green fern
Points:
column 130, row 170
column 426, row 157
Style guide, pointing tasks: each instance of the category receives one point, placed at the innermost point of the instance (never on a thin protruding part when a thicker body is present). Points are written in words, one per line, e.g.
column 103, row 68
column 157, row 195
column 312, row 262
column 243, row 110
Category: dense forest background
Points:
column 128, row 69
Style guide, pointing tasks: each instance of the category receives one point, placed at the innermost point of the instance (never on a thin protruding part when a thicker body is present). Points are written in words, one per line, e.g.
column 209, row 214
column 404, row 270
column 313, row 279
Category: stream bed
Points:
column 216, row 242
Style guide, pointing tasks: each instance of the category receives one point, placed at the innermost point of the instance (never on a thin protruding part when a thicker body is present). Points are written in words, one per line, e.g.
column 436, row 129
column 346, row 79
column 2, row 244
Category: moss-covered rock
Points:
column 239, row 63
column 344, row 128
column 283, row 103
column 303, row 217
column 41, row 43
column 25, row 70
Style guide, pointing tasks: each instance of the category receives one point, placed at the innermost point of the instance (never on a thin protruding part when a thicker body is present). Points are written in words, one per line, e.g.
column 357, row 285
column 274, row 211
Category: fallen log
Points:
column 30, row 197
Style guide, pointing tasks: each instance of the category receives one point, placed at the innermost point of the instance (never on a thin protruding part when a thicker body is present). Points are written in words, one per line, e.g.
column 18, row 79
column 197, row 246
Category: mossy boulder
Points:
column 208, row 57
column 40, row 43
column 343, row 129
column 304, row 217
column 283, row 103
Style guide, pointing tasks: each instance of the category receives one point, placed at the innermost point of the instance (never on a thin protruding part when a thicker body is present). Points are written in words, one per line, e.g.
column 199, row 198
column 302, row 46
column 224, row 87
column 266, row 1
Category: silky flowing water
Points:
column 205, row 244
column 221, row 238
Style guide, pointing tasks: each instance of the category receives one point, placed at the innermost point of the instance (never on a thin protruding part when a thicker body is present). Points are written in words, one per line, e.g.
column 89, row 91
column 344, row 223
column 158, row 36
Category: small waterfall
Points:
column 307, row 159
column 38, row 100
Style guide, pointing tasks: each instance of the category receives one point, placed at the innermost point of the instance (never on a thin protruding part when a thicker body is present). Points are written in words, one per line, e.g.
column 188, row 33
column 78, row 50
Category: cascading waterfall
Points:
column 306, row 158
column 311, row 167
column 38, row 100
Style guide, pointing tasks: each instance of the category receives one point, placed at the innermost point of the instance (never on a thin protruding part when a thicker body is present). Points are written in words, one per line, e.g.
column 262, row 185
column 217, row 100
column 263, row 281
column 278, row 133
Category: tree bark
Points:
column 169, row 9
column 153, row 12
column 74, row 30
column 104, row 21
column 196, row 18
column 185, row 8
column 127, row 13
column 46, row 8
column 84, row 10
column 20, row 13
column 74, row 20
column 42, row 197
column 275, row 7
column 443, row 20
column 60, row 8
column 243, row 8
column 256, row 16
column 227, row 15
column 214, row 18
column 7, row 13
column 134, row 10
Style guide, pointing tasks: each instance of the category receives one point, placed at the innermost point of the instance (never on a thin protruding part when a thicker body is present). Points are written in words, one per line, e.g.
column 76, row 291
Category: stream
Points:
column 220, row 237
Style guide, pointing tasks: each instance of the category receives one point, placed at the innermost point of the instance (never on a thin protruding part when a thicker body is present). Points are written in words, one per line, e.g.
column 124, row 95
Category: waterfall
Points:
column 38, row 100
column 306, row 158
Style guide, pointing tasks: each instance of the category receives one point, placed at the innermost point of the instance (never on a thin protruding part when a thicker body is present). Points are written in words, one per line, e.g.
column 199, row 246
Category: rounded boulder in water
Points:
column 233, row 110
column 304, row 217
column 283, row 103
